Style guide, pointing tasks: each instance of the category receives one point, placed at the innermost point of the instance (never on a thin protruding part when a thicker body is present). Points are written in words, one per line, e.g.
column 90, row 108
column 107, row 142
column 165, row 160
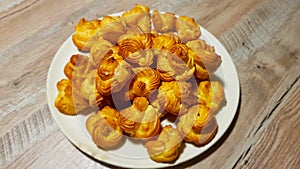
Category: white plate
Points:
column 132, row 155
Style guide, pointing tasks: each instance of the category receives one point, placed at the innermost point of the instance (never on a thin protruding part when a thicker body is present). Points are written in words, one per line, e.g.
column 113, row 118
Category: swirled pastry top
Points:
column 141, row 120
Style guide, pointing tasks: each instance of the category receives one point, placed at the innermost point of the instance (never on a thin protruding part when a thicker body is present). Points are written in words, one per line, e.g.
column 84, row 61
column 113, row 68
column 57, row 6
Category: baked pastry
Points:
column 104, row 128
column 143, row 83
column 138, row 16
column 142, row 58
column 187, row 29
column 99, row 50
column 68, row 101
column 165, row 40
column 112, row 28
column 166, row 148
column 89, row 91
column 84, row 36
column 138, row 77
column 163, row 22
column 113, row 73
column 141, row 120
column 210, row 94
column 77, row 69
column 200, row 73
column 198, row 126
column 207, row 57
column 70, row 66
column 134, row 44
column 78, row 61
column 175, row 63
column 175, row 97
column 132, row 31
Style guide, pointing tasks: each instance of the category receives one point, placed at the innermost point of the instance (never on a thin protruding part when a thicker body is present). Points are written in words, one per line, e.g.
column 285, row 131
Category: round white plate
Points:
column 131, row 154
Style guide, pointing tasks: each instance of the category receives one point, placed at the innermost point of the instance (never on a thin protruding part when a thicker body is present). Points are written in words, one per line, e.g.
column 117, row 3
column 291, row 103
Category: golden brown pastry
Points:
column 70, row 66
column 104, row 128
column 163, row 22
column 175, row 63
column 138, row 16
column 198, row 126
column 144, row 73
column 68, row 101
column 175, row 97
column 165, row 148
column 113, row 73
column 143, row 58
column 99, row 50
column 144, row 83
column 207, row 57
column 91, row 120
column 137, row 44
column 164, row 41
column 200, row 73
column 112, row 28
column 141, row 120
column 77, row 69
column 89, row 91
column 84, row 36
column 132, row 31
column 210, row 94
column 154, row 33
column 78, row 61
column 187, row 29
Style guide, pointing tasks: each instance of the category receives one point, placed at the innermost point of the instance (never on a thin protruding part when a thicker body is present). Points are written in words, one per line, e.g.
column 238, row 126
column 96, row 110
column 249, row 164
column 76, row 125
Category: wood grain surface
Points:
column 262, row 37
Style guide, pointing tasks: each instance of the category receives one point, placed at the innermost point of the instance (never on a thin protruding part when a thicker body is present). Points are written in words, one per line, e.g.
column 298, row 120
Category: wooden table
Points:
column 262, row 37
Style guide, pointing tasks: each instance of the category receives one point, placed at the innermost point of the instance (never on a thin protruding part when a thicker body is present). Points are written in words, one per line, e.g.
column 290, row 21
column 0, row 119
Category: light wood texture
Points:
column 262, row 36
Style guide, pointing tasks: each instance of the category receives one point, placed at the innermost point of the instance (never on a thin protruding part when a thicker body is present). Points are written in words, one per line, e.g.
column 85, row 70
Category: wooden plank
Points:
column 261, row 36
column 274, row 143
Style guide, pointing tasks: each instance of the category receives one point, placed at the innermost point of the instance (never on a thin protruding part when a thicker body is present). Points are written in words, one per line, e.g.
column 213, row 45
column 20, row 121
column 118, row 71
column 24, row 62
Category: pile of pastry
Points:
column 140, row 69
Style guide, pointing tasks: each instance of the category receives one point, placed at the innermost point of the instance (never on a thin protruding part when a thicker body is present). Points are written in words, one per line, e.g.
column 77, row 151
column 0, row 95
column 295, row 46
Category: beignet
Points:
column 206, row 55
column 175, row 63
column 210, row 94
column 187, row 29
column 144, row 83
column 104, row 128
column 99, row 49
column 198, row 126
column 113, row 73
column 89, row 91
column 138, row 16
column 78, row 61
column 163, row 22
column 165, row 148
column 85, row 32
column 112, row 27
column 175, row 97
column 136, row 43
column 141, row 120
column 164, row 41
column 68, row 100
